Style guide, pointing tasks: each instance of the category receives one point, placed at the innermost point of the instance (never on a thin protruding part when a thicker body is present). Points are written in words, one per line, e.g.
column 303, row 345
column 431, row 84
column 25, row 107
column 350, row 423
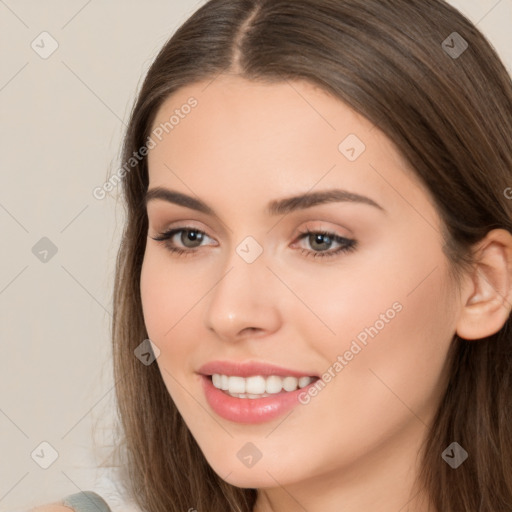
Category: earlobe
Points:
column 489, row 300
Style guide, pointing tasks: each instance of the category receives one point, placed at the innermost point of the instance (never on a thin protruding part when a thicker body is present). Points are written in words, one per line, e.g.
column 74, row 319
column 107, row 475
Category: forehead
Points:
column 252, row 137
column 295, row 111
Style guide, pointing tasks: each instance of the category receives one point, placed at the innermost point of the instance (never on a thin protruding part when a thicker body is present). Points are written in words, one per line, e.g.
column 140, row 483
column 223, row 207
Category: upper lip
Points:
column 249, row 368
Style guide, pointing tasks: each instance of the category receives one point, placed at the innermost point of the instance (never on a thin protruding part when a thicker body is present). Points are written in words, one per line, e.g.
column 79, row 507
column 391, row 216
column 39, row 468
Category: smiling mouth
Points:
column 258, row 386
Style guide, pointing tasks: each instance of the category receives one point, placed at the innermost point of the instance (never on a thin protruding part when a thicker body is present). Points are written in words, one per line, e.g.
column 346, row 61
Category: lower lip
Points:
column 250, row 410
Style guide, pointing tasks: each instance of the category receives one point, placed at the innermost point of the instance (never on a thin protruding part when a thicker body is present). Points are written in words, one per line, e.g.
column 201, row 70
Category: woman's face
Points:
column 363, row 303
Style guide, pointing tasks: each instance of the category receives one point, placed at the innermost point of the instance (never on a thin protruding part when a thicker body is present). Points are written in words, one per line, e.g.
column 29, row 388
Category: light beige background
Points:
column 62, row 119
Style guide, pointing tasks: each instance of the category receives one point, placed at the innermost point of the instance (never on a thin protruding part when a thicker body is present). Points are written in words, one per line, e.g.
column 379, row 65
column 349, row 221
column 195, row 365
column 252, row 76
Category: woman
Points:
column 318, row 246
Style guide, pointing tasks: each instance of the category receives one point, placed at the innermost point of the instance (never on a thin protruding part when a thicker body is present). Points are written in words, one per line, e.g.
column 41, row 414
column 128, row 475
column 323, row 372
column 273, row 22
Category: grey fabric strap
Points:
column 86, row 502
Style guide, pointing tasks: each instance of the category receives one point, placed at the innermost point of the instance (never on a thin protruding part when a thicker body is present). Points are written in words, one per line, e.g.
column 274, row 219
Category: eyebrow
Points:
column 275, row 207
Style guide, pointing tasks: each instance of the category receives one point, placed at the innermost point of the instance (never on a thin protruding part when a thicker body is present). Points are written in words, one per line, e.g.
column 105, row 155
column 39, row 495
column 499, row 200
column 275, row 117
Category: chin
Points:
column 262, row 474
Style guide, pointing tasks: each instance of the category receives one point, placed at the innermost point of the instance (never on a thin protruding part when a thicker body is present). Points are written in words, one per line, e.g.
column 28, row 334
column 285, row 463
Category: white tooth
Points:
column 290, row 383
column 236, row 385
column 258, row 386
column 216, row 379
column 255, row 385
column 224, row 382
column 305, row 381
column 273, row 384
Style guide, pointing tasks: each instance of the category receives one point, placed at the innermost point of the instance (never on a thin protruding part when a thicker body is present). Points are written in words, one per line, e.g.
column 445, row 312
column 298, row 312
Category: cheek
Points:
column 394, row 343
column 154, row 297
column 399, row 291
column 391, row 318
column 166, row 303
column 166, row 294
column 171, row 299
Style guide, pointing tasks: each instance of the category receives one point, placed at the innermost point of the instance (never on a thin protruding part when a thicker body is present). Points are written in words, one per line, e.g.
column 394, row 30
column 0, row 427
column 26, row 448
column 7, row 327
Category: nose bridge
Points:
column 242, row 298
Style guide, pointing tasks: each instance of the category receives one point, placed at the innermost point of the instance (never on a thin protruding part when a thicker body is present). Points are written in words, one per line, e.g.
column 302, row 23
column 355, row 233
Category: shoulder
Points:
column 84, row 501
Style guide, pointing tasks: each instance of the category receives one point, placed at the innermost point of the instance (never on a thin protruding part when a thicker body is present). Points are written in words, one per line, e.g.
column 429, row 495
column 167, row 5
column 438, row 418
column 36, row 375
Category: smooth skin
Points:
column 354, row 446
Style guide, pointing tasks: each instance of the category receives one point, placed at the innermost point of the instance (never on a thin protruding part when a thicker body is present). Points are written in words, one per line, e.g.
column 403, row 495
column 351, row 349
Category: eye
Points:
column 191, row 239
column 318, row 240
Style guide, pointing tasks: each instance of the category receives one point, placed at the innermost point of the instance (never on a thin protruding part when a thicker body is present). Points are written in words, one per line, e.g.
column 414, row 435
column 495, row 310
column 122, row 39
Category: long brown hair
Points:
column 446, row 107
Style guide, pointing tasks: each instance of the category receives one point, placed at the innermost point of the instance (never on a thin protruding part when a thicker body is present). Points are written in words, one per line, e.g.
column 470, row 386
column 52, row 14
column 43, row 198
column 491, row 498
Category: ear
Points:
column 488, row 301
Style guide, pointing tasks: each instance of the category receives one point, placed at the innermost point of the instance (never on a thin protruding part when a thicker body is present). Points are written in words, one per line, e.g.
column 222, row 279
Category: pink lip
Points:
column 249, row 410
column 249, row 369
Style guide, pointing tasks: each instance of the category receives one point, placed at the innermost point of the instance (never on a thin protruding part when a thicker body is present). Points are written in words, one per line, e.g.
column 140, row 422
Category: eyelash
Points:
column 348, row 245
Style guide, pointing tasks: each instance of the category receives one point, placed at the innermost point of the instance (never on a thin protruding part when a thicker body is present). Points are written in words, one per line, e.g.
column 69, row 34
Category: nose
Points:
column 244, row 301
